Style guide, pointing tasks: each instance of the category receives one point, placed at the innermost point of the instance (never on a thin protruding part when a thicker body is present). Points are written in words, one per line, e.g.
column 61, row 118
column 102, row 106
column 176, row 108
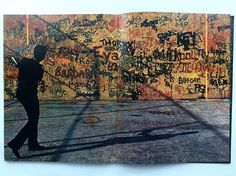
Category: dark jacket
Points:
column 30, row 73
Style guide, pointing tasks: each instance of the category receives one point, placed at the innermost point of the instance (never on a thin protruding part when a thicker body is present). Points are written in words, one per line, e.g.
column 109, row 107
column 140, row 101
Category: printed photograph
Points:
column 133, row 88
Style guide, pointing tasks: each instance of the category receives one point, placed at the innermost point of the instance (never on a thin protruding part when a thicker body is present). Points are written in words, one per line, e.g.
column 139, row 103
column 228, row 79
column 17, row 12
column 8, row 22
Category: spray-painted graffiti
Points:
column 130, row 56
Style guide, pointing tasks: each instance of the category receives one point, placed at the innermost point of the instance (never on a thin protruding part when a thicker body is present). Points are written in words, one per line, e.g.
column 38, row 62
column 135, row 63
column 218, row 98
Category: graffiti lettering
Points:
column 131, row 77
column 218, row 82
column 200, row 88
column 112, row 67
column 170, row 54
column 134, row 21
column 151, row 23
column 165, row 36
column 126, row 48
column 57, row 91
column 223, row 28
column 181, row 20
column 188, row 80
column 123, row 56
column 186, row 39
column 210, row 18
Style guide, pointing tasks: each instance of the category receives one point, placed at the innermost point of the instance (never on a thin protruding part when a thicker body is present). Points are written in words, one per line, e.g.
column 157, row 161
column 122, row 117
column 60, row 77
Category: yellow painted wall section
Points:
column 145, row 56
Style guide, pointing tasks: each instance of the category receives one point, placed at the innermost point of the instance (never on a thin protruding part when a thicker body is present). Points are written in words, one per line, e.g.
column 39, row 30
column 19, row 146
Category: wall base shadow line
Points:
column 9, row 104
column 89, row 113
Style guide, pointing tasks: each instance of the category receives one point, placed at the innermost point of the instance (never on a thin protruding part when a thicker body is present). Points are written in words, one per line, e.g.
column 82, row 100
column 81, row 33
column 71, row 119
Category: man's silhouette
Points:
column 30, row 73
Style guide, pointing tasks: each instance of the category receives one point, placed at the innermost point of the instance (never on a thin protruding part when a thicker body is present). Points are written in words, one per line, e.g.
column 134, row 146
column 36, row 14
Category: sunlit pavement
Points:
column 126, row 132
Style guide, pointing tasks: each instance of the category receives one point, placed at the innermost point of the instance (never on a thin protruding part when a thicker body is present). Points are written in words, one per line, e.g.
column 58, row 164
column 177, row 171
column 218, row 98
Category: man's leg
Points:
column 16, row 143
column 33, row 122
column 33, row 115
column 30, row 130
column 20, row 138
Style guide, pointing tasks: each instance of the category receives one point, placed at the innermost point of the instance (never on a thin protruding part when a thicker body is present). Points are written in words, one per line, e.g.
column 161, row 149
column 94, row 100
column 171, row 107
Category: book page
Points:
column 137, row 88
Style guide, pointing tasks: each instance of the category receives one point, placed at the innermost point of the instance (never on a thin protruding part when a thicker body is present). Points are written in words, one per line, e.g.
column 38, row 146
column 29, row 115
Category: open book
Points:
column 130, row 58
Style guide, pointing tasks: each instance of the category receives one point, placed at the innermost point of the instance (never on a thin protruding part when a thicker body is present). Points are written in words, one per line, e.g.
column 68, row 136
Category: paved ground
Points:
column 126, row 132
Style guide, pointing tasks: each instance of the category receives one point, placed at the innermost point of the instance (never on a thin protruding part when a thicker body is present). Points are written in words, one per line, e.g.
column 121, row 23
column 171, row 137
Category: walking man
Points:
column 30, row 73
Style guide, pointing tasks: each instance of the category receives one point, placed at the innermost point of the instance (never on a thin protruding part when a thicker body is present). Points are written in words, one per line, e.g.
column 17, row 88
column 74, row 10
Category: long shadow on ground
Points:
column 112, row 141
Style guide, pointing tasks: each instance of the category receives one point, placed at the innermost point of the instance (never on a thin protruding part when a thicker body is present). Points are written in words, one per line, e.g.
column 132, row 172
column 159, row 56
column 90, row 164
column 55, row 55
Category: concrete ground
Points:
column 144, row 132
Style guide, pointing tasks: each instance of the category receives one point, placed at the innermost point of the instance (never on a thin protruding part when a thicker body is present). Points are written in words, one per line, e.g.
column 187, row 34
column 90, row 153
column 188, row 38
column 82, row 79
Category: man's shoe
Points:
column 16, row 153
column 37, row 147
column 14, row 150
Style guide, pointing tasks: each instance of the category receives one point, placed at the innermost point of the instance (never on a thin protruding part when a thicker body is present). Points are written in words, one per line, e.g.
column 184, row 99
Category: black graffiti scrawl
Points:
column 128, row 56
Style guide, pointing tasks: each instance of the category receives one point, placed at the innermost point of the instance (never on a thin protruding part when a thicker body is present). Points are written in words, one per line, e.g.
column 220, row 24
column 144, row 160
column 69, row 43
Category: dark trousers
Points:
column 30, row 130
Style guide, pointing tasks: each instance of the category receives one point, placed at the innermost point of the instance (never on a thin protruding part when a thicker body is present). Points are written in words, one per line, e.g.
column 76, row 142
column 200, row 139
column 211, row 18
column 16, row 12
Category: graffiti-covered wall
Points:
column 129, row 56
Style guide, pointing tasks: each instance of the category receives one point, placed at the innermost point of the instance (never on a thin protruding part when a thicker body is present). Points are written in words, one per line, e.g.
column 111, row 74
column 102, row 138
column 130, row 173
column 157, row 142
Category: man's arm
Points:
column 40, row 72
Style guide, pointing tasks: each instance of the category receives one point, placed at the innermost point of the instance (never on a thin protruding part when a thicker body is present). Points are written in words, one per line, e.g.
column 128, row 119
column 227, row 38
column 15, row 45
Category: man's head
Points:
column 40, row 52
